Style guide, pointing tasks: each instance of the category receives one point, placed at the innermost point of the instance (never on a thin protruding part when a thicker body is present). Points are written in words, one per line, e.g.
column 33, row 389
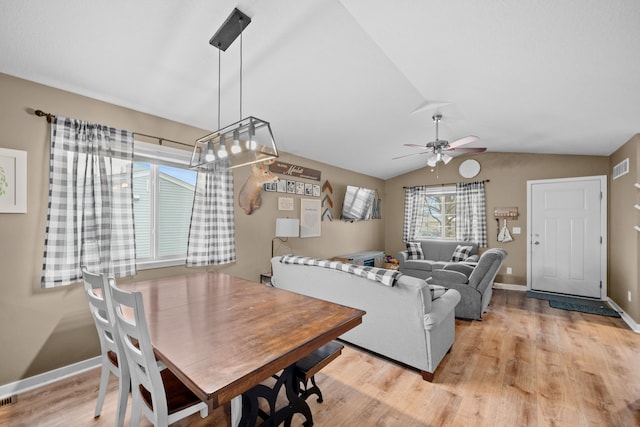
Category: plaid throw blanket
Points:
column 386, row 277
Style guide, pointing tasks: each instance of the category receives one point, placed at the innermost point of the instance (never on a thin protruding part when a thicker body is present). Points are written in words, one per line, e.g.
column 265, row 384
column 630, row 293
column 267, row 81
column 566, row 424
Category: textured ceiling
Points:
column 349, row 82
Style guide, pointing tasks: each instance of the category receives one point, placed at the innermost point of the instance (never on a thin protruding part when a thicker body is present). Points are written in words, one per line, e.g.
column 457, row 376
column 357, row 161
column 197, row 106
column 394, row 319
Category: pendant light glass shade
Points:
column 245, row 142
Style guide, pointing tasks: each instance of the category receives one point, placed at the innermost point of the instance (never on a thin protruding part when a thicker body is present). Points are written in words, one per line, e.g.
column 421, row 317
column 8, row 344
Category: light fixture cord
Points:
column 219, row 84
column 241, row 68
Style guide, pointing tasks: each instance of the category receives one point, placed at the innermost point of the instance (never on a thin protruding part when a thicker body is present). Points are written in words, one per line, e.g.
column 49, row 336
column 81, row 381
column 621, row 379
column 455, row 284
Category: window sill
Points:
column 148, row 265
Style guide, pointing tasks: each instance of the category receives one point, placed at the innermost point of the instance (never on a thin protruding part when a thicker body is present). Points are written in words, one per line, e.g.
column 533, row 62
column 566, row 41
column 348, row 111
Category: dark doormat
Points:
column 592, row 307
column 575, row 304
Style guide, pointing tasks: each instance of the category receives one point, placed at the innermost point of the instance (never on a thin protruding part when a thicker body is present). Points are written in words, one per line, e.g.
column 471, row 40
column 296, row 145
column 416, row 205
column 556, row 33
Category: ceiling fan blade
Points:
column 463, row 141
column 424, row 147
column 409, row 155
column 468, row 149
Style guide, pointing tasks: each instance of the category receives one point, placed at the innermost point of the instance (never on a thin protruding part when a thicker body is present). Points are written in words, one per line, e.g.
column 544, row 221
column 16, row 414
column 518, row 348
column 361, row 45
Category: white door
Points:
column 567, row 236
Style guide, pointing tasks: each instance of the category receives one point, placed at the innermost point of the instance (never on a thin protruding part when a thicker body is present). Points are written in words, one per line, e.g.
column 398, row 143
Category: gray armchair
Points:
column 475, row 283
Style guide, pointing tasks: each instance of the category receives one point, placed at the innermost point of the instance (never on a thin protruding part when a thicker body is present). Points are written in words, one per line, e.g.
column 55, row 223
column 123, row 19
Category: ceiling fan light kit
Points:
column 437, row 149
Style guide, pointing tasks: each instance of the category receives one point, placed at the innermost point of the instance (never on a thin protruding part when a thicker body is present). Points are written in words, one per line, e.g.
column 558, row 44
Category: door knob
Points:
column 536, row 243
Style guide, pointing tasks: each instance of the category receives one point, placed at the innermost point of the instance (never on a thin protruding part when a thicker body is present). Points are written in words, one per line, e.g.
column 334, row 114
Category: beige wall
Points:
column 624, row 241
column 44, row 329
column 508, row 174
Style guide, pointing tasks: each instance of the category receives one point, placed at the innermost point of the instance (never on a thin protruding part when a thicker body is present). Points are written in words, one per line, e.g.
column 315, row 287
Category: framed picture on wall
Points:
column 281, row 186
column 300, row 188
column 291, row 187
column 310, row 218
column 316, row 190
column 13, row 181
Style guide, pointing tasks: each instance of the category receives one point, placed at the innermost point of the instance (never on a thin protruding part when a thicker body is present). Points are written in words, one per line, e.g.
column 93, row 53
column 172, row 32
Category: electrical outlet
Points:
column 516, row 230
column 509, row 270
column 629, row 295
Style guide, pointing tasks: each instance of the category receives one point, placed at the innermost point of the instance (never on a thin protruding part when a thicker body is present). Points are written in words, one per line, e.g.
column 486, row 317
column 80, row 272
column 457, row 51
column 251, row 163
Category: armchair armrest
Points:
column 460, row 268
column 443, row 277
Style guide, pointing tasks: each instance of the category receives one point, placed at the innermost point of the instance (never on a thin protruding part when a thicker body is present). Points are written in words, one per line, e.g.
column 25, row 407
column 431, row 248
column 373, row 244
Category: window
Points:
column 436, row 215
column 163, row 190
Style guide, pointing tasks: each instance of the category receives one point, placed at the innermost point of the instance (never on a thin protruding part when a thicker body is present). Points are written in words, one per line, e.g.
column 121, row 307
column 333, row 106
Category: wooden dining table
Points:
column 223, row 335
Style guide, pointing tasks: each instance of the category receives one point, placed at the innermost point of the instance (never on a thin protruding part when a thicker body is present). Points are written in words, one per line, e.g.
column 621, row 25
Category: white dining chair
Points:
column 112, row 353
column 160, row 395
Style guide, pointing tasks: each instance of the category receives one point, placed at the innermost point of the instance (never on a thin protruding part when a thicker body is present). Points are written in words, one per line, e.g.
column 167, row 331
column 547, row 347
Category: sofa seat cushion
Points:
column 419, row 264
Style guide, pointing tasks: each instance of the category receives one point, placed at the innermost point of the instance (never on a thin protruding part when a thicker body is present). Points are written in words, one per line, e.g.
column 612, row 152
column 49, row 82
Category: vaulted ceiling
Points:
column 349, row 82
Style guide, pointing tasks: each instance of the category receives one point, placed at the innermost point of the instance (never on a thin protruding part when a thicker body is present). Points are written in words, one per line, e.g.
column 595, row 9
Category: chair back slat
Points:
column 98, row 295
column 112, row 352
column 134, row 333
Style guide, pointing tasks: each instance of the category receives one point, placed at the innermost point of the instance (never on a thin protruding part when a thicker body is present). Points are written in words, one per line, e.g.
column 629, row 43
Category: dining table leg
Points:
column 296, row 405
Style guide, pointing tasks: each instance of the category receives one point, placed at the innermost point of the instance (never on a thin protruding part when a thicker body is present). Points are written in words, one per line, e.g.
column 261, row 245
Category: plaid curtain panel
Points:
column 90, row 211
column 412, row 198
column 212, row 238
column 471, row 216
column 386, row 277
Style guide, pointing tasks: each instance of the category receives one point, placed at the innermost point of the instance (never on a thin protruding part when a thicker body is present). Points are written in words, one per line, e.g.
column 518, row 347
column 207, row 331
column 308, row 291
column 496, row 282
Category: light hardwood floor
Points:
column 525, row 364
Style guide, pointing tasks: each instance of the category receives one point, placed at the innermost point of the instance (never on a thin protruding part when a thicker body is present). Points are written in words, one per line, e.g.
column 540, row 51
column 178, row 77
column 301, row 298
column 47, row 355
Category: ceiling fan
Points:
column 437, row 150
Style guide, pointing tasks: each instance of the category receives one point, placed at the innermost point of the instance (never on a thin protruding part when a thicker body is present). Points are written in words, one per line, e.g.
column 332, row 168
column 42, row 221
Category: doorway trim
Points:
column 603, row 225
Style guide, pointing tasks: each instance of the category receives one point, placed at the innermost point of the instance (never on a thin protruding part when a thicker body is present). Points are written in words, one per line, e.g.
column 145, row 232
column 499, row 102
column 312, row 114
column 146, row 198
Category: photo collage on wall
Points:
column 293, row 187
column 290, row 186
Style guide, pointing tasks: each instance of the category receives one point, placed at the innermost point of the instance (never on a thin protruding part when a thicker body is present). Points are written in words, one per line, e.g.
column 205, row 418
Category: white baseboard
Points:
column 635, row 327
column 49, row 377
column 511, row 287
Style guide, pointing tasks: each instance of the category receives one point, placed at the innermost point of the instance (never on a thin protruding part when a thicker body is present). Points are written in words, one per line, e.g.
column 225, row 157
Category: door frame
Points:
column 603, row 224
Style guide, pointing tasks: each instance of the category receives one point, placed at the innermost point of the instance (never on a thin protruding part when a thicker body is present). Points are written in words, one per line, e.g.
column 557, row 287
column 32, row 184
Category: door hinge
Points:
column 600, row 284
column 600, row 239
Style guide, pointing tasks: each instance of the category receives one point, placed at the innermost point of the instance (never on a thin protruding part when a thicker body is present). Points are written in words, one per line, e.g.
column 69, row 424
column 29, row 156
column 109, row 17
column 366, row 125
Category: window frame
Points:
column 442, row 191
column 158, row 155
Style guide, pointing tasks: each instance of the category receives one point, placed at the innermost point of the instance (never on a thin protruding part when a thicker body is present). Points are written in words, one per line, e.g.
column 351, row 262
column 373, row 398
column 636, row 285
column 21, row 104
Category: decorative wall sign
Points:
column 294, row 170
column 13, row 181
column 309, row 217
column 327, row 203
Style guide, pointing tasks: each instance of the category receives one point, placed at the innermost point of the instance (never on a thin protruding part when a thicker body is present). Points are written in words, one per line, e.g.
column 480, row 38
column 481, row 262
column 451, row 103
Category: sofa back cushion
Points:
column 442, row 250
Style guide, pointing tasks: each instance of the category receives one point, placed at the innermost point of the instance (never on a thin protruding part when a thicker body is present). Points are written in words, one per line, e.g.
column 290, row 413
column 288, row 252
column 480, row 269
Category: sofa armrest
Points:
column 402, row 258
column 441, row 309
column 443, row 277
column 472, row 258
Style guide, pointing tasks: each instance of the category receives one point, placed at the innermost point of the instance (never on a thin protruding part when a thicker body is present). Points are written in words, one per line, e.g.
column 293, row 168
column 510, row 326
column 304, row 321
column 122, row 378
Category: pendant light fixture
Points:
column 246, row 141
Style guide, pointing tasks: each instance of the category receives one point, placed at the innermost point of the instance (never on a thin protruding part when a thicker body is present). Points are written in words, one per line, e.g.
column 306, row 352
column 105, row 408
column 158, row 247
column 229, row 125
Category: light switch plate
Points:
column 516, row 230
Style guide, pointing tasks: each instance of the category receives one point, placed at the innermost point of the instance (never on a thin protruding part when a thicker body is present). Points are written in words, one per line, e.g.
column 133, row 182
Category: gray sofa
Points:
column 401, row 322
column 475, row 283
column 437, row 254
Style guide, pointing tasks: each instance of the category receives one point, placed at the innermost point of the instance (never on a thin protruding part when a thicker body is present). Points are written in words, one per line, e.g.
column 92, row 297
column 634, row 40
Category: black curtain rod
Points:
column 450, row 183
column 50, row 117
